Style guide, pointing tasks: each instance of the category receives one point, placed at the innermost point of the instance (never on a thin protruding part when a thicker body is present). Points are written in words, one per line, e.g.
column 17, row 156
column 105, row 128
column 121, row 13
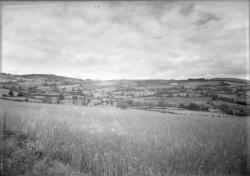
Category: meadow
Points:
column 107, row 141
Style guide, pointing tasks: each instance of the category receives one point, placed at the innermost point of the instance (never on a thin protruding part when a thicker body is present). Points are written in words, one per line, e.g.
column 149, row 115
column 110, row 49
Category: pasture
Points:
column 109, row 141
column 176, row 101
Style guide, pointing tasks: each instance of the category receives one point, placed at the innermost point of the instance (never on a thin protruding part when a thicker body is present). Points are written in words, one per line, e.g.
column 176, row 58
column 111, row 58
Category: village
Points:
column 224, row 96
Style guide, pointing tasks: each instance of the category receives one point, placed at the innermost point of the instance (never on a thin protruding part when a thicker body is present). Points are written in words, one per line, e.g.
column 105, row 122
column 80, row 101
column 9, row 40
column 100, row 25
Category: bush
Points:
column 122, row 105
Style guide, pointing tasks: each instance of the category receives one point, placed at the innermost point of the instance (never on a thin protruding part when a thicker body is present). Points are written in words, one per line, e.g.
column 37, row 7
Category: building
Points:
column 214, row 110
column 66, row 102
column 44, row 88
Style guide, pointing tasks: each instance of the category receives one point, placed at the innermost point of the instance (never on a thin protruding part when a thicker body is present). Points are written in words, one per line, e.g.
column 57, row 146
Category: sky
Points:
column 126, row 40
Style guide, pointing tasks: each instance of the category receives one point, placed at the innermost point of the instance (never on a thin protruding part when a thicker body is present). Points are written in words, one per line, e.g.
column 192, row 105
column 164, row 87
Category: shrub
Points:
column 122, row 105
column 11, row 93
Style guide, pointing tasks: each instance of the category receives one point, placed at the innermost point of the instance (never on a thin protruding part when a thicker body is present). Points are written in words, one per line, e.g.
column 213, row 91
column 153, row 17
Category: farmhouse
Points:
column 140, row 88
column 180, row 94
column 141, row 93
column 227, row 96
column 94, row 102
column 160, row 87
column 68, row 87
column 120, row 97
column 44, row 88
column 214, row 110
column 54, row 100
column 107, row 89
column 66, row 102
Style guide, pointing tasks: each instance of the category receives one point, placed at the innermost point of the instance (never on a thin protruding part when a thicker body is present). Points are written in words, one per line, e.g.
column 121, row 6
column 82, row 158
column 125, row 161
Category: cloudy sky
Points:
column 127, row 40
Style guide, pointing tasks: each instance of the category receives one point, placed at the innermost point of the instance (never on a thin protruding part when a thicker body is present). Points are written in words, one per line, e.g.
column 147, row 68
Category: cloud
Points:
column 187, row 9
column 207, row 17
column 120, row 40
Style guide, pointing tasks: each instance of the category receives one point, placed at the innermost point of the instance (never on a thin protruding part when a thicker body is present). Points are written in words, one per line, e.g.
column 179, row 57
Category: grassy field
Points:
column 103, row 141
column 186, row 101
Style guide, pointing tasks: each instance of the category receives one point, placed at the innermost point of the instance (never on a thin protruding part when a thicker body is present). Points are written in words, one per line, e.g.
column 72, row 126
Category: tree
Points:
column 130, row 102
column 181, row 105
column 20, row 94
column 111, row 102
column 161, row 103
column 61, row 96
column 88, row 100
column 11, row 93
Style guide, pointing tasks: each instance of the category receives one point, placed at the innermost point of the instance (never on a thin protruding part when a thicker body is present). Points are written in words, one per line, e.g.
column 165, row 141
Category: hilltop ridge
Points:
column 54, row 77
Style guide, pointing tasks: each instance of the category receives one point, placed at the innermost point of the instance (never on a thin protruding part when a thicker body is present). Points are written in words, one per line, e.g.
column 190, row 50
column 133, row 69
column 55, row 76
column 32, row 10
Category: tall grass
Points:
column 111, row 141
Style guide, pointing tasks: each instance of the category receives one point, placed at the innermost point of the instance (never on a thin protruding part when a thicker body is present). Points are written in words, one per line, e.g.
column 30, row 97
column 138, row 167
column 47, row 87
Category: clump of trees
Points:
column 161, row 103
column 194, row 107
column 181, row 105
column 225, row 109
column 47, row 99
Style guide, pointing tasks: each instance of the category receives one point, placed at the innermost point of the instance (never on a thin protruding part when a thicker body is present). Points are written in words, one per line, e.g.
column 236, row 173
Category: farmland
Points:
column 225, row 96
column 82, row 140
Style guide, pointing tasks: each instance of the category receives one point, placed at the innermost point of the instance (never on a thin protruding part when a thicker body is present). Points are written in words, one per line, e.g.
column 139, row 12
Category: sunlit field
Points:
column 105, row 141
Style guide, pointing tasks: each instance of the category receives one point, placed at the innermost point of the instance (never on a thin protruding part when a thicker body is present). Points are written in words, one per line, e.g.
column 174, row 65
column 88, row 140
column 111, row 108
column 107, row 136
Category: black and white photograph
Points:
column 124, row 88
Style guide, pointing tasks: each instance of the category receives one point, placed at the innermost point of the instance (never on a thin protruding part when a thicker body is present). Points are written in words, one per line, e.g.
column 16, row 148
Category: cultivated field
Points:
column 111, row 141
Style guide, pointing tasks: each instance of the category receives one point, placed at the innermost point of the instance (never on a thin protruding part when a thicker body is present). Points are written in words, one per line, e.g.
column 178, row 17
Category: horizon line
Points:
column 195, row 78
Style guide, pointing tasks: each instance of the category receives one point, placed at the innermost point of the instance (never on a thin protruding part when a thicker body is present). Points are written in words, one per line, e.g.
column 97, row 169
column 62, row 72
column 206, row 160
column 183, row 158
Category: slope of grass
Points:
column 20, row 155
column 110, row 141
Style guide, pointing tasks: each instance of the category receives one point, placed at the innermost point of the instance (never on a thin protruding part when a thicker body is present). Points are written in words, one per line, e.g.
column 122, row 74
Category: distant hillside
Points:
column 51, row 77
column 48, row 77
column 4, row 77
column 231, row 80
